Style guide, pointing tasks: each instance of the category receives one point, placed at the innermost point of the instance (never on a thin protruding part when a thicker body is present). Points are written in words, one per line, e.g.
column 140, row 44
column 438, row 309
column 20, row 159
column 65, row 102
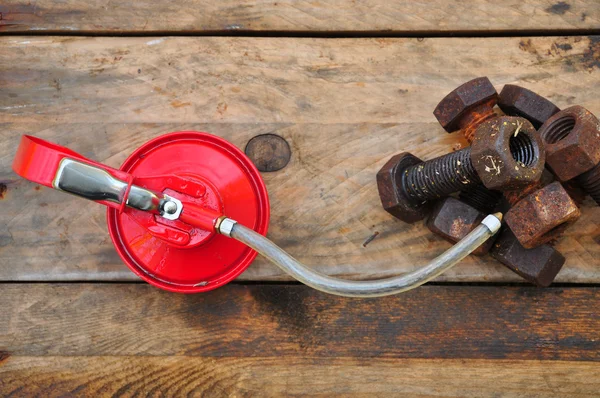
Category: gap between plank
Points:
column 293, row 283
column 317, row 34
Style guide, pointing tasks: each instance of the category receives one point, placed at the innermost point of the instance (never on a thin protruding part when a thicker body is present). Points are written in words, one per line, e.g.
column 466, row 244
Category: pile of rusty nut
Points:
column 530, row 160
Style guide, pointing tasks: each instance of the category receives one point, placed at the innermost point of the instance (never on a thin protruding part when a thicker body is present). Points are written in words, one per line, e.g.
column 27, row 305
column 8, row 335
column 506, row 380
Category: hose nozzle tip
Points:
column 493, row 222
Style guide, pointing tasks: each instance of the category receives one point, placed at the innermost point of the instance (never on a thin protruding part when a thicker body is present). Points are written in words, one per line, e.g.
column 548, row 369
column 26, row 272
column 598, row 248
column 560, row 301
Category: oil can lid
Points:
column 232, row 184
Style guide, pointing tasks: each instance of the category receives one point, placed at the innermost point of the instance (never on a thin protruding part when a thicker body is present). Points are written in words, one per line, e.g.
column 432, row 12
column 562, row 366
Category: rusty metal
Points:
column 572, row 140
column 393, row 196
column 576, row 191
column 439, row 177
column 464, row 109
column 453, row 219
column 590, row 182
column 518, row 101
column 539, row 265
column 540, row 214
column 507, row 153
column 481, row 198
column 467, row 106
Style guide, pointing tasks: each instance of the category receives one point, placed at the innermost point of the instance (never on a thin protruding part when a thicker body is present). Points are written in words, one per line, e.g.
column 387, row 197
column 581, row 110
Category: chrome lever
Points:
column 94, row 183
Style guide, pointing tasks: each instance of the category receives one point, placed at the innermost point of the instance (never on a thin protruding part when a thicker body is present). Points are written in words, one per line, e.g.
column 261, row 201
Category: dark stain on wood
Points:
column 56, row 84
column 527, row 45
column 4, row 355
column 279, row 320
column 293, row 311
column 591, row 56
column 268, row 152
column 559, row 8
column 564, row 46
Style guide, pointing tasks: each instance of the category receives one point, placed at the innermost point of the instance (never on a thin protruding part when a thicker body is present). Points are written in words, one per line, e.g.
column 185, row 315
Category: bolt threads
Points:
column 522, row 149
column 590, row 182
column 558, row 129
column 480, row 198
column 440, row 177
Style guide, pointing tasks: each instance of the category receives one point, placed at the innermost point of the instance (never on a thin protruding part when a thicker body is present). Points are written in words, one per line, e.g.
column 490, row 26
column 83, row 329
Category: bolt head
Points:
column 572, row 138
column 519, row 101
column 462, row 100
column 393, row 198
column 453, row 219
column 538, row 266
column 542, row 216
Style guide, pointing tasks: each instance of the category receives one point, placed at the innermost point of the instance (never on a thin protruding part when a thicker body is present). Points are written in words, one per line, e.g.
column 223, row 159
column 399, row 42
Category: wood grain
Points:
column 230, row 16
column 280, row 321
column 285, row 376
column 344, row 106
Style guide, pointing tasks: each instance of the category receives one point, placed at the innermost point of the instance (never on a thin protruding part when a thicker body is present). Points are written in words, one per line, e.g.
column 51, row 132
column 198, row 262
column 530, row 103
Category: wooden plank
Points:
column 344, row 106
column 284, row 376
column 278, row 321
column 200, row 16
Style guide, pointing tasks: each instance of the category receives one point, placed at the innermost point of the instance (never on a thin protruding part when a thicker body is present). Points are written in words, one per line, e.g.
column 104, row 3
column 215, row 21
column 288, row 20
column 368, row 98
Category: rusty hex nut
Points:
column 572, row 138
column 453, row 219
column 542, row 215
column 507, row 153
column 539, row 265
column 519, row 101
column 393, row 198
column 462, row 100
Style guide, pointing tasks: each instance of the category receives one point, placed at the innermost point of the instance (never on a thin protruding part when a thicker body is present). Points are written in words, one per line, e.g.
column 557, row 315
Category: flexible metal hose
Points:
column 382, row 287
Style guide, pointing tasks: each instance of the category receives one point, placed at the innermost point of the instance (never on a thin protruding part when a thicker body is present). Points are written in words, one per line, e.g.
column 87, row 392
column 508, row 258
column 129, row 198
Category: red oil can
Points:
column 210, row 176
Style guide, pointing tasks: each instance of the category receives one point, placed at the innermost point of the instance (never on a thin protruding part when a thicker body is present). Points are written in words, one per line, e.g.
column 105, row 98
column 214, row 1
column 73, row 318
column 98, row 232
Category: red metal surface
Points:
column 209, row 175
column 37, row 160
column 233, row 185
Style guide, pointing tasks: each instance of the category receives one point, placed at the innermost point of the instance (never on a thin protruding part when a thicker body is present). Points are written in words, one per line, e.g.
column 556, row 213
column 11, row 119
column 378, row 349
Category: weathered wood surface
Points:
column 127, row 339
column 523, row 323
column 292, row 376
column 298, row 16
column 344, row 106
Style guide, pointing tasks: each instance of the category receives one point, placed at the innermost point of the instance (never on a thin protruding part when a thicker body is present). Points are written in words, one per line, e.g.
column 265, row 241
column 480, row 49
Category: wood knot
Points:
column 268, row 152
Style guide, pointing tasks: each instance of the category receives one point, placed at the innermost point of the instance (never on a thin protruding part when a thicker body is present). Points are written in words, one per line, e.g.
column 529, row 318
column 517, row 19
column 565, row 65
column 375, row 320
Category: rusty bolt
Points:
column 496, row 153
column 453, row 219
column 572, row 138
column 507, row 153
column 539, row 265
column 519, row 101
column 393, row 197
column 467, row 106
column 540, row 214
